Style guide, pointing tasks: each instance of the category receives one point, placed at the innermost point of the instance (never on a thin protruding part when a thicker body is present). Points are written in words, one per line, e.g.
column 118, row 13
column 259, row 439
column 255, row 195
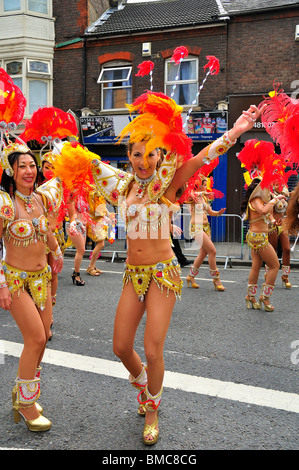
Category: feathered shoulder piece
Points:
column 281, row 120
column 160, row 118
column 49, row 123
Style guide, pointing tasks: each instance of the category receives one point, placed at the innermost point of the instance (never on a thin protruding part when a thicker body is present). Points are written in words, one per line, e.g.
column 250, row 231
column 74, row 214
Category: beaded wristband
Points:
column 218, row 147
column 2, row 278
column 57, row 253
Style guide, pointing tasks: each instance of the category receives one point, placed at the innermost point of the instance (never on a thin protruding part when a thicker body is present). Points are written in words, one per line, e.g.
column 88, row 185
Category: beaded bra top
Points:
column 22, row 231
column 114, row 184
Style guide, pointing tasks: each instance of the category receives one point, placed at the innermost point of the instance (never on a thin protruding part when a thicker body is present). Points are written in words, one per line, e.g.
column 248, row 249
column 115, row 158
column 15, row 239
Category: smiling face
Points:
column 136, row 154
column 25, row 173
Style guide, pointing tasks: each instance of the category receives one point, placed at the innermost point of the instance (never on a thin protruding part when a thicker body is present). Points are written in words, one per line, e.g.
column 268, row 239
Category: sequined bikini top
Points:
column 22, row 231
column 144, row 217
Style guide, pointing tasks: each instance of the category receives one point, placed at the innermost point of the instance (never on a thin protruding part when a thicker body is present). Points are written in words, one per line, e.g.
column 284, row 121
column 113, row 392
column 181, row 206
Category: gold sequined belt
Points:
column 257, row 240
column 35, row 282
column 162, row 273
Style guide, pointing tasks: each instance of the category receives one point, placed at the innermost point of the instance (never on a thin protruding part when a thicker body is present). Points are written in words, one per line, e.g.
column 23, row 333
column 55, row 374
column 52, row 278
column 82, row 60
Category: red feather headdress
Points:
column 12, row 109
column 12, row 100
column 48, row 124
column 260, row 159
column 281, row 120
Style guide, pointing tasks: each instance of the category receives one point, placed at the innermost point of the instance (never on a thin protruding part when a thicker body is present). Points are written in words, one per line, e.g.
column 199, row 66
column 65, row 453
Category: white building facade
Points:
column 27, row 36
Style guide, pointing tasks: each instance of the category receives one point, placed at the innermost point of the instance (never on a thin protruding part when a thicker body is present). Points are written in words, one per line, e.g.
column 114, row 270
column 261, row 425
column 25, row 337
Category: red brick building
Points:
column 99, row 46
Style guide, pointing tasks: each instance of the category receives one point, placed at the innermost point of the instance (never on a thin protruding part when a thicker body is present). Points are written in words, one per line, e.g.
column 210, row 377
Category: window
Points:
column 12, row 5
column 15, row 70
column 38, row 95
column 40, row 6
column 116, row 86
column 37, row 66
column 34, row 81
column 186, row 85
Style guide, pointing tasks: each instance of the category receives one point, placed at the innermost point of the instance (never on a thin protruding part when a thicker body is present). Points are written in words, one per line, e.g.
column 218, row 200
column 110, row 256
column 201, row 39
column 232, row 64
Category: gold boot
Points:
column 285, row 277
column 36, row 425
column 151, row 404
column 27, row 392
column 267, row 291
column 140, row 383
column 14, row 392
column 216, row 275
column 250, row 297
column 190, row 278
column 150, row 430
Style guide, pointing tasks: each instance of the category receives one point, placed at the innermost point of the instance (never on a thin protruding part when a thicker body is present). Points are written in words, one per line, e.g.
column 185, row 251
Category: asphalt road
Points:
column 231, row 379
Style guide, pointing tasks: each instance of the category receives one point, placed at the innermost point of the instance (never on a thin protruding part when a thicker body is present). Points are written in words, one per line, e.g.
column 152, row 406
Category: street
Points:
column 231, row 379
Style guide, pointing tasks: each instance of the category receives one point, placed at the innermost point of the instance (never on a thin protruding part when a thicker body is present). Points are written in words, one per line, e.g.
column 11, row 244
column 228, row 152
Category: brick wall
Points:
column 253, row 51
column 71, row 19
column 200, row 43
column 261, row 48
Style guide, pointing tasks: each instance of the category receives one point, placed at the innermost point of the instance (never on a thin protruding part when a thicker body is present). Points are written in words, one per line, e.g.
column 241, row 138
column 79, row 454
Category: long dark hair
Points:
column 248, row 193
column 7, row 182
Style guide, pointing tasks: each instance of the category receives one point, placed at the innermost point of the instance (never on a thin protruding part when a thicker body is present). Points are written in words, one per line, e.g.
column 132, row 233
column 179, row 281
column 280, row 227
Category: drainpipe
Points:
column 84, row 72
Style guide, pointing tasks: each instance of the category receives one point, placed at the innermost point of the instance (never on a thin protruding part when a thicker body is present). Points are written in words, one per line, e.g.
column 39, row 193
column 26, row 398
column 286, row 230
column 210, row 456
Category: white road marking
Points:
column 188, row 383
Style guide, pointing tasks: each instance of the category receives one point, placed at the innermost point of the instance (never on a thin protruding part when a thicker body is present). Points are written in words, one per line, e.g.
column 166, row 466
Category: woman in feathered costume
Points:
column 265, row 167
column 48, row 126
column 197, row 196
column 24, row 273
column 145, row 198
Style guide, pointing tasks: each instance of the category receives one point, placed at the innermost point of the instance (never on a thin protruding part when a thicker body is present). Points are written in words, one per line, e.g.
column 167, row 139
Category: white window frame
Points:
column 111, row 66
column 29, row 77
column 24, row 8
column 34, row 73
column 182, row 82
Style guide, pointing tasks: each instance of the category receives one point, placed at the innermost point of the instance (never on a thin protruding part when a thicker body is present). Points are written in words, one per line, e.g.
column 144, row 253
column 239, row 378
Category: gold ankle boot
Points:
column 267, row 291
column 36, row 425
column 190, row 278
column 140, row 383
column 216, row 275
column 27, row 392
column 150, row 430
column 285, row 277
column 151, row 404
column 15, row 388
column 250, row 297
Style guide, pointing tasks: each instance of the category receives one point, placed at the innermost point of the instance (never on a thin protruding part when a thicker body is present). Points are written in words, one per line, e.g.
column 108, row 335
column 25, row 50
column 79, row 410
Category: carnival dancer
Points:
column 279, row 233
column 264, row 166
column 200, row 230
column 152, row 274
column 25, row 275
column 48, row 126
column 97, row 231
column 76, row 231
column 56, row 224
